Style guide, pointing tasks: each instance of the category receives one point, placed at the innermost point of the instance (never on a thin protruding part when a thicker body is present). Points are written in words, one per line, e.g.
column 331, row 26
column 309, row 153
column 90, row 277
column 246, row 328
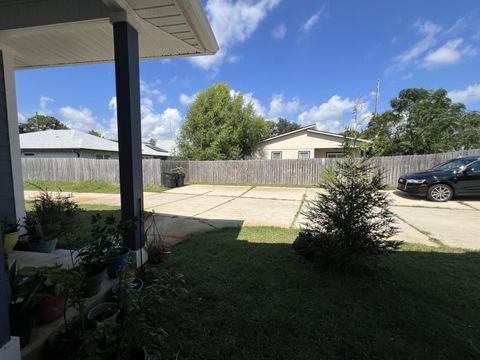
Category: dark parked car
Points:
column 460, row 176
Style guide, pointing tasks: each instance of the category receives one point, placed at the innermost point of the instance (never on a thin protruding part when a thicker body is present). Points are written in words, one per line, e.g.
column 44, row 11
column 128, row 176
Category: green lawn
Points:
column 84, row 186
column 251, row 297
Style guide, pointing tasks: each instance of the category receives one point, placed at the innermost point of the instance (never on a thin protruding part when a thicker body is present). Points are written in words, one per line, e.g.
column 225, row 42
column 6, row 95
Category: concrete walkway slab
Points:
column 265, row 212
column 192, row 206
column 281, row 193
column 453, row 227
column 193, row 189
column 174, row 229
column 409, row 234
column 233, row 191
column 470, row 201
column 157, row 199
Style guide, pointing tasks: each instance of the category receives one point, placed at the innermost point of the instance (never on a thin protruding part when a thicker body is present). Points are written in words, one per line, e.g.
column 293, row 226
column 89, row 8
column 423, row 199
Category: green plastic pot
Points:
column 11, row 240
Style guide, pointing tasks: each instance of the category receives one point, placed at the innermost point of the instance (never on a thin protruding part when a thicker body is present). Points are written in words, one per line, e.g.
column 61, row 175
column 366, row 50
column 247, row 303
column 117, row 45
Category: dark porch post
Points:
column 129, row 128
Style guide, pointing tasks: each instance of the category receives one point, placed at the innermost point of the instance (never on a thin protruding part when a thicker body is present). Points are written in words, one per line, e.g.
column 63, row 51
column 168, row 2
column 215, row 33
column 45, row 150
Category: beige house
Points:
column 304, row 143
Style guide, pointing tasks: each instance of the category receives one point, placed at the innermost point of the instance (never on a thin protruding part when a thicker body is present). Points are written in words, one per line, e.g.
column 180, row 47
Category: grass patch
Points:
column 251, row 297
column 84, row 186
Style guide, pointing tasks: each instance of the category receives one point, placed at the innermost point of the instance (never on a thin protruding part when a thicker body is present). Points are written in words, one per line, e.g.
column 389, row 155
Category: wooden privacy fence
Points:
column 261, row 172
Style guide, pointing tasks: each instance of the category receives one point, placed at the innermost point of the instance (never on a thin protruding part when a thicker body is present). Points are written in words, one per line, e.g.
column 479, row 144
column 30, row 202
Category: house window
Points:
column 276, row 155
column 304, row 154
column 102, row 157
column 334, row 155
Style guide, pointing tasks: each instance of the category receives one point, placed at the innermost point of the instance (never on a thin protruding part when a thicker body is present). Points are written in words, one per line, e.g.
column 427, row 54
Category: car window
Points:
column 474, row 168
column 452, row 164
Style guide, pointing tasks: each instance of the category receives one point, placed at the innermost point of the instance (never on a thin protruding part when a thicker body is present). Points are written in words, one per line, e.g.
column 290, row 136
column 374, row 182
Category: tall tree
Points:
column 95, row 133
column 422, row 121
column 152, row 141
column 220, row 126
column 41, row 122
column 283, row 126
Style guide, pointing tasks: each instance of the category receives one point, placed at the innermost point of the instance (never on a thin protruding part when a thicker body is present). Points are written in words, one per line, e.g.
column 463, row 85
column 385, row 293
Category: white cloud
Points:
column 459, row 26
column 152, row 90
column 451, row 53
column 44, row 101
column 186, row 99
column 80, row 119
column 429, row 32
column 21, row 118
column 308, row 25
column 162, row 126
column 469, row 95
column 334, row 114
column 232, row 22
column 249, row 98
column 281, row 108
column 279, row 31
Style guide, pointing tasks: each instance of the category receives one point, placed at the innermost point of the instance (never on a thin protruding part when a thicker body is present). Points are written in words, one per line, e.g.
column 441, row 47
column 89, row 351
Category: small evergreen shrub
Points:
column 348, row 225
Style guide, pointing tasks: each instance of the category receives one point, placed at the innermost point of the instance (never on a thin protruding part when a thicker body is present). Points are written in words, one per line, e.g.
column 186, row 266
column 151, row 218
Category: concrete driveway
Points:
column 198, row 208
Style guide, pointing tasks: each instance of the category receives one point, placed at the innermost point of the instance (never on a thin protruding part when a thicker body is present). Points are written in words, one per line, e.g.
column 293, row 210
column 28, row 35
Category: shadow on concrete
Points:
column 250, row 298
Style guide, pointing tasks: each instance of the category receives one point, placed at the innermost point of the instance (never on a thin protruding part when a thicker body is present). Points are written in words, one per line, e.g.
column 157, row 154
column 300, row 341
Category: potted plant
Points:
column 52, row 294
column 155, row 241
column 113, row 231
column 12, row 233
column 68, row 338
column 51, row 216
column 23, row 302
column 104, row 312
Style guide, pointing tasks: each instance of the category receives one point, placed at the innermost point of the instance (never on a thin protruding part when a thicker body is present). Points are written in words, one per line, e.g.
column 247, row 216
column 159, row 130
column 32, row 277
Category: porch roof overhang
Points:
column 48, row 33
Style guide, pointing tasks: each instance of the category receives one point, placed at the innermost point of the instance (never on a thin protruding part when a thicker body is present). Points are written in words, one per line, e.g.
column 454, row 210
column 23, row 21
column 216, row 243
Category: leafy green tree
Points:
column 422, row 121
column 41, row 122
column 220, row 126
column 283, row 126
column 95, row 133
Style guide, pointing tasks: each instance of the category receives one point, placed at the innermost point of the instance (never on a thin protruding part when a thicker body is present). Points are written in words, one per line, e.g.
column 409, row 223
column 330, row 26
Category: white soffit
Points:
column 79, row 31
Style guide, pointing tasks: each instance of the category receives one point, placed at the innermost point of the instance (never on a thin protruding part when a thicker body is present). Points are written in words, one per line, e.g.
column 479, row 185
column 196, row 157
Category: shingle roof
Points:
column 75, row 140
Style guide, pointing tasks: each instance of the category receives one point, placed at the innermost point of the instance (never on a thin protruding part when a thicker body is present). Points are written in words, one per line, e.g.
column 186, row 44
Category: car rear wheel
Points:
column 440, row 193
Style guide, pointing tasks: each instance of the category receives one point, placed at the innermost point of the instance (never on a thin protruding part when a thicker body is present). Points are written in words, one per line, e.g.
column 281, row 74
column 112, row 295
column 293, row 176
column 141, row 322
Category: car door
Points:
column 469, row 180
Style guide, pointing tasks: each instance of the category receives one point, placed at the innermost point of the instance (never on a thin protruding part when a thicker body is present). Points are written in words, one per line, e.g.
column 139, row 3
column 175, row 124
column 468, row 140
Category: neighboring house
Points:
column 77, row 144
column 304, row 143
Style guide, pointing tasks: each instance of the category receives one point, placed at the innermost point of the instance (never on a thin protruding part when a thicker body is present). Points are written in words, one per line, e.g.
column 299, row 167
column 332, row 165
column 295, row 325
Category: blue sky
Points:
column 309, row 61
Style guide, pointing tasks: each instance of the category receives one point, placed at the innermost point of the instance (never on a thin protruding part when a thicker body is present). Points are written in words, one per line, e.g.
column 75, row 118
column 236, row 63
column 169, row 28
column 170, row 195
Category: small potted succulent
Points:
column 12, row 233
column 51, row 216
column 24, row 290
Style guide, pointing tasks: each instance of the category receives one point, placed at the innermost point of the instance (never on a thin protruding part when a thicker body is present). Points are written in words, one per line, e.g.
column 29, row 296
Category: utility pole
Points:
column 36, row 119
column 377, row 94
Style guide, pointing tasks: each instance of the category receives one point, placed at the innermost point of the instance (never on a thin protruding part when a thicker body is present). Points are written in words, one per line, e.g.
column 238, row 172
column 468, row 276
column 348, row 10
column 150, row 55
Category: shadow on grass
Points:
column 251, row 297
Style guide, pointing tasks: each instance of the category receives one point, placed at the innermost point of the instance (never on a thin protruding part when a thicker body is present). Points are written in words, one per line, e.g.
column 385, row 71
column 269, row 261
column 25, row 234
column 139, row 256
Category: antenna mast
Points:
column 377, row 94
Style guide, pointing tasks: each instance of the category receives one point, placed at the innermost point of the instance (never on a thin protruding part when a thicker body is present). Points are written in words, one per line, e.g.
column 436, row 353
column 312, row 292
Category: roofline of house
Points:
column 312, row 128
column 289, row 133
column 165, row 153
